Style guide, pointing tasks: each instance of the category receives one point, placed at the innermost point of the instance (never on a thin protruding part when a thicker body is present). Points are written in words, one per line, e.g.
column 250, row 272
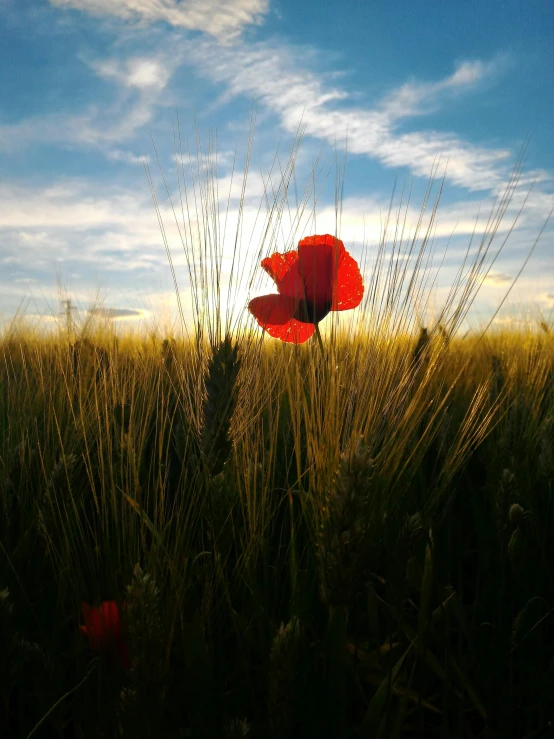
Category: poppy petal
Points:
column 292, row 332
column 103, row 629
column 110, row 618
column 322, row 240
column 277, row 265
column 102, row 623
column 319, row 258
column 349, row 287
column 272, row 309
column 285, row 270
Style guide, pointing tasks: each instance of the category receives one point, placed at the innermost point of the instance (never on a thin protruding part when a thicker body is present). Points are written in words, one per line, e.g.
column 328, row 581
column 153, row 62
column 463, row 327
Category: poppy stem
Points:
column 319, row 341
column 323, row 360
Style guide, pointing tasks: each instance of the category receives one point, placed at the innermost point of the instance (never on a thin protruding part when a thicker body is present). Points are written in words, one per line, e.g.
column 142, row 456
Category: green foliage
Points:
column 283, row 670
column 142, row 699
column 219, row 405
column 345, row 528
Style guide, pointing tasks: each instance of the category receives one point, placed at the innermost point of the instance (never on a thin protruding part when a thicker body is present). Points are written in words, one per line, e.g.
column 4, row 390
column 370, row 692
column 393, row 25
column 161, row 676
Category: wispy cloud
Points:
column 118, row 239
column 77, row 205
column 99, row 129
column 277, row 76
column 498, row 279
column 115, row 313
column 422, row 98
column 116, row 232
column 140, row 87
column 219, row 18
column 141, row 72
column 128, row 157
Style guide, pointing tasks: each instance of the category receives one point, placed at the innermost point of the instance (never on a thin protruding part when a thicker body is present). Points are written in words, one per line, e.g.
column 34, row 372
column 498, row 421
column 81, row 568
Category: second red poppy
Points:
column 103, row 629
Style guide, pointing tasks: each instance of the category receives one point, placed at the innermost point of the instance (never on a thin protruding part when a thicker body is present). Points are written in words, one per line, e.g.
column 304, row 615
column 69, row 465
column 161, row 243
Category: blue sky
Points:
column 83, row 83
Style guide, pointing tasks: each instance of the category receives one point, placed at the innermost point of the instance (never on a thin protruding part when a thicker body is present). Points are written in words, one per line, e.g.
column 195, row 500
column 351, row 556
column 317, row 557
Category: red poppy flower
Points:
column 103, row 629
column 320, row 277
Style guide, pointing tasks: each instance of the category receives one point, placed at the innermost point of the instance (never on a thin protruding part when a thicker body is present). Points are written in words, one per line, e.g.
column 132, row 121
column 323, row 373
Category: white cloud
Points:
column 95, row 128
column 498, row 279
column 468, row 73
column 115, row 232
column 143, row 85
column 140, row 72
column 277, row 76
column 119, row 155
column 421, row 98
column 116, row 313
column 129, row 244
column 222, row 19
column 76, row 206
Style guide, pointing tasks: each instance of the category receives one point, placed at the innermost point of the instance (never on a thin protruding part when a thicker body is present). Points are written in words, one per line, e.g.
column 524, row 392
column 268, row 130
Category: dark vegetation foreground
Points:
column 354, row 544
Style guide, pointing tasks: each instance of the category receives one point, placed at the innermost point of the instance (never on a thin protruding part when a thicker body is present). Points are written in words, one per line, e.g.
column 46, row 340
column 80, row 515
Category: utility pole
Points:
column 67, row 313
